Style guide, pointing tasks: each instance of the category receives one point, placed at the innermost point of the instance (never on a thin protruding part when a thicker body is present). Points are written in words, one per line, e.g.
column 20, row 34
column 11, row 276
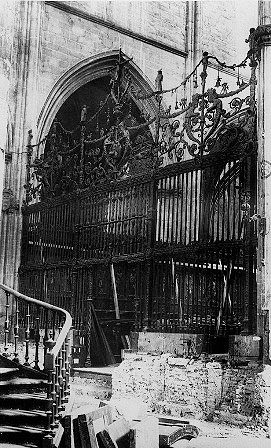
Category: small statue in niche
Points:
column 84, row 114
column 159, row 81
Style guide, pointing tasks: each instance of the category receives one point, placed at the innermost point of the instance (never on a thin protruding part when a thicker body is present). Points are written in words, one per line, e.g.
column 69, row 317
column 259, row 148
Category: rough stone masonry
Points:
column 202, row 389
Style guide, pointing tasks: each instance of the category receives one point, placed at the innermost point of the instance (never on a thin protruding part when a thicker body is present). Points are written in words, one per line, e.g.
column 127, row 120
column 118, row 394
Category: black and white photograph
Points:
column 135, row 224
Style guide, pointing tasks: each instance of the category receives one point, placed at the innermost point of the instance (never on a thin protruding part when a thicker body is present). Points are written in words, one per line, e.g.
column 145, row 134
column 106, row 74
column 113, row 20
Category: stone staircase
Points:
column 33, row 400
column 23, row 405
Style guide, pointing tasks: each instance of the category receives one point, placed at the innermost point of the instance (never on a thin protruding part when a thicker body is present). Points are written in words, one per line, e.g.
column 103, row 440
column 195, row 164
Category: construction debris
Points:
column 105, row 426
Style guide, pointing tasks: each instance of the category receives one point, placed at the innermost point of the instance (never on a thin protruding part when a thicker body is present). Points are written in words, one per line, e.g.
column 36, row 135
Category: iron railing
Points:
column 181, row 241
column 37, row 334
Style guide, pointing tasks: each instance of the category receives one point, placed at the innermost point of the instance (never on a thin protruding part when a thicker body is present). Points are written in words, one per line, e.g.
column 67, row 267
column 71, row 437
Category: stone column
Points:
column 7, row 30
column 4, row 86
column 22, row 117
column 262, row 41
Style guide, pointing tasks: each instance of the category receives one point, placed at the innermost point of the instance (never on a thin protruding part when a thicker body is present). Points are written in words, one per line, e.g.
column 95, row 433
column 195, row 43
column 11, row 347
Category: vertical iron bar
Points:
column 37, row 338
column 57, row 389
column 169, row 211
column 46, row 334
column 16, row 330
column 172, row 238
column 27, row 335
column 183, row 209
column 196, row 207
column 67, row 366
column 164, row 210
column 150, row 262
column 229, row 202
column 177, row 208
column 234, row 217
column 186, row 227
column 7, row 306
column 159, row 210
column 191, row 207
column 223, row 223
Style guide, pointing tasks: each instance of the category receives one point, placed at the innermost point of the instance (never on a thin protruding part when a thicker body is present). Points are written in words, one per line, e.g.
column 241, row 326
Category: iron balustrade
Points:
column 46, row 347
column 180, row 239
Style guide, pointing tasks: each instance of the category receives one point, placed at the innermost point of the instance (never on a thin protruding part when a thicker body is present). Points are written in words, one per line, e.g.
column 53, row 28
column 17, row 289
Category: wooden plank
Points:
column 76, row 436
column 67, row 424
column 172, row 421
column 90, row 424
column 86, row 432
column 105, row 441
column 119, row 432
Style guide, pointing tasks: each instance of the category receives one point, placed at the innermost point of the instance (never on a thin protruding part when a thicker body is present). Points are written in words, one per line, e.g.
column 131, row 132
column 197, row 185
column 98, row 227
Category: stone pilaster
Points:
column 262, row 41
column 7, row 28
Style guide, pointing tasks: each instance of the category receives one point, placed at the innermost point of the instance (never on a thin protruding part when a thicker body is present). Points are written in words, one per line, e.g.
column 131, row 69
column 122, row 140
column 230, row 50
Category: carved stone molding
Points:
column 8, row 157
column 263, row 34
column 10, row 203
column 260, row 37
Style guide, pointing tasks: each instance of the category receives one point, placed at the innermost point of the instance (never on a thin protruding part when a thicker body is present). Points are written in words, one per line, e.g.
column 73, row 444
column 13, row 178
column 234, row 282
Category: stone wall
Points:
column 160, row 20
column 201, row 389
column 170, row 385
column 67, row 39
column 218, row 30
column 48, row 41
column 246, row 390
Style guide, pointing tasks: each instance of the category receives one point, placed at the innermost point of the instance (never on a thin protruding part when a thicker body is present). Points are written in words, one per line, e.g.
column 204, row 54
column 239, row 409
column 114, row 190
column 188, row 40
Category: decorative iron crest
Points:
column 123, row 145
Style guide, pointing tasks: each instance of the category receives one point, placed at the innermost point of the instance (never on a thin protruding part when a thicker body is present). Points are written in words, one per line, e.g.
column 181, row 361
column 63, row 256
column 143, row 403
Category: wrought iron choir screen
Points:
column 149, row 218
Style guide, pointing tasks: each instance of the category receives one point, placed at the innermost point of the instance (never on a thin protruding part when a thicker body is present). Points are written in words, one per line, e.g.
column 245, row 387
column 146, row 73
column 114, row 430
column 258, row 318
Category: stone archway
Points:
column 89, row 69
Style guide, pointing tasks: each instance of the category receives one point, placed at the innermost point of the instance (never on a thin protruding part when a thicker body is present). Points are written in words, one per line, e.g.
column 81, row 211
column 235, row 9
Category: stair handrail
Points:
column 68, row 321
column 56, row 361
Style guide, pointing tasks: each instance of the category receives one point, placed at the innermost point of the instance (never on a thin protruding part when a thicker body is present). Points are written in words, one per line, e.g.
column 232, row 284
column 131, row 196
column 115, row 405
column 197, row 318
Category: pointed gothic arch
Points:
column 87, row 70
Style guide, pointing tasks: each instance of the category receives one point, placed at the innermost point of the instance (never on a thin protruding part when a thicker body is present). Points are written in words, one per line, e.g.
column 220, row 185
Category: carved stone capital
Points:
column 262, row 35
column 258, row 38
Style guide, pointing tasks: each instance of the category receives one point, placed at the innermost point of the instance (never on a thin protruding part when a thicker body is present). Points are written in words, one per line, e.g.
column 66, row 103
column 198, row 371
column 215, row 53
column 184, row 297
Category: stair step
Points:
column 14, row 417
column 5, row 361
column 21, row 435
column 24, row 401
column 8, row 372
column 22, row 384
column 24, row 371
column 8, row 445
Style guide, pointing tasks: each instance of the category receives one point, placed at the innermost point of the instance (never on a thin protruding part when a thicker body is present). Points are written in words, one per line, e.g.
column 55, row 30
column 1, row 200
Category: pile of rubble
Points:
column 123, row 424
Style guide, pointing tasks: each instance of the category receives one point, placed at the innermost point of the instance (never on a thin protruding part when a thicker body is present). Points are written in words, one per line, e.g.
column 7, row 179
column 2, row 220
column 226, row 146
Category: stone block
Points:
column 179, row 344
column 181, row 362
column 145, row 433
column 237, row 442
column 245, row 346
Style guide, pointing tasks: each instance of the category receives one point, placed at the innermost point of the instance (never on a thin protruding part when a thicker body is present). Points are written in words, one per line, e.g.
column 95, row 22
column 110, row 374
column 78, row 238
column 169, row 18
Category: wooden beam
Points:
column 115, row 295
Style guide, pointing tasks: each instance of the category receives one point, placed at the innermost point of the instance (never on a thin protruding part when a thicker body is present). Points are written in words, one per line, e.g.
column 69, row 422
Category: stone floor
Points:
column 216, row 442
column 211, row 434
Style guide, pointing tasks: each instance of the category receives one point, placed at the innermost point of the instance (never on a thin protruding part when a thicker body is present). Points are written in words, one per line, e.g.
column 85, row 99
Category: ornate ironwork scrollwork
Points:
column 123, row 145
